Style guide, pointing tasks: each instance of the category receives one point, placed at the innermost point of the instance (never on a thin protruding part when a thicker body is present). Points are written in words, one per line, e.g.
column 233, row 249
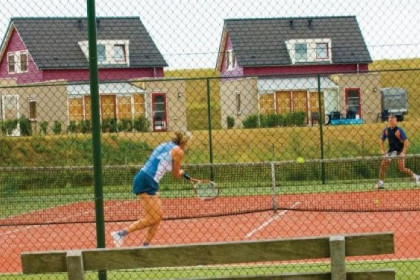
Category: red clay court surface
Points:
column 252, row 226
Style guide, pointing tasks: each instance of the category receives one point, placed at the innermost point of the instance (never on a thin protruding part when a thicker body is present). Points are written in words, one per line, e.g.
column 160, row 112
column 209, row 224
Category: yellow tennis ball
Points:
column 377, row 201
column 300, row 160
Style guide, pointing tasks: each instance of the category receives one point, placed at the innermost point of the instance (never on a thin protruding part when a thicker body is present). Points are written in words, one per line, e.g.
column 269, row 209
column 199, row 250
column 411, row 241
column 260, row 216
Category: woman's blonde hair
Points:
column 181, row 137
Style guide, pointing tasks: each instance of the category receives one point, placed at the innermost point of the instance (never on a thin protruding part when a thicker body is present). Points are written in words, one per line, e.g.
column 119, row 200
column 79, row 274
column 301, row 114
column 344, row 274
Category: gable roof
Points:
column 261, row 42
column 53, row 42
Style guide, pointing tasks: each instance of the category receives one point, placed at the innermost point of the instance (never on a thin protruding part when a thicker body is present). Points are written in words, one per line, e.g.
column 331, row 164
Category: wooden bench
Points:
column 75, row 263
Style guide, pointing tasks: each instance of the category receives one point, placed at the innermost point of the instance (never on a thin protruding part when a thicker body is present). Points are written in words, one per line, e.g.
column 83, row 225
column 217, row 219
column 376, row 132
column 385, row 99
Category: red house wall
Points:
column 104, row 74
column 304, row 69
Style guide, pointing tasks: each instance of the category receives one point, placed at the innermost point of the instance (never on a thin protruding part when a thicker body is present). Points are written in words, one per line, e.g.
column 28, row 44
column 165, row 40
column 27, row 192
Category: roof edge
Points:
column 289, row 18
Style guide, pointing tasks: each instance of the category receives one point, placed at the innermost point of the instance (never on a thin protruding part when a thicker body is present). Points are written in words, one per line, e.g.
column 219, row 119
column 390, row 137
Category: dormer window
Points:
column 17, row 62
column 301, row 52
column 110, row 52
column 101, row 53
column 309, row 50
column 119, row 53
column 321, row 50
column 230, row 60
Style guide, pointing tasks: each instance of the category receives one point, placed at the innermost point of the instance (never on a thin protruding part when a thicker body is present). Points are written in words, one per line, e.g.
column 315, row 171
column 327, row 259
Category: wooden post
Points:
column 338, row 257
column 75, row 270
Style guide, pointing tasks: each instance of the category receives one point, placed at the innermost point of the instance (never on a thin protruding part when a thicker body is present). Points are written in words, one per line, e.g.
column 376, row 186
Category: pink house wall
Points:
column 36, row 75
column 33, row 74
column 237, row 71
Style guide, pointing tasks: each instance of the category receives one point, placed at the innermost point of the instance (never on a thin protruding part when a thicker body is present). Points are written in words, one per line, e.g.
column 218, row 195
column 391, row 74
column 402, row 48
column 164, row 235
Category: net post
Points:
column 96, row 130
column 321, row 130
column 210, row 129
column 274, row 186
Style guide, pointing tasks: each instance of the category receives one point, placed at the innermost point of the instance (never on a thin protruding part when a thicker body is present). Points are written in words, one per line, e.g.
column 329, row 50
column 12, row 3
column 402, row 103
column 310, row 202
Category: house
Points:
column 272, row 65
column 36, row 51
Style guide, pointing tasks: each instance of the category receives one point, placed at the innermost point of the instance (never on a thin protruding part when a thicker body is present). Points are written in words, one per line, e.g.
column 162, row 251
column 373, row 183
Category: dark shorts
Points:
column 144, row 183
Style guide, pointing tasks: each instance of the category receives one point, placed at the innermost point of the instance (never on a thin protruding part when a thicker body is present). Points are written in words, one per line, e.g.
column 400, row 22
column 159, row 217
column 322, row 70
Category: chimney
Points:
column 310, row 23
column 80, row 24
column 291, row 23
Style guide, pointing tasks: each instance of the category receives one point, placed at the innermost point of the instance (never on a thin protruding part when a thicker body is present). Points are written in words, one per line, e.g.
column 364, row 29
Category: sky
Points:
column 188, row 32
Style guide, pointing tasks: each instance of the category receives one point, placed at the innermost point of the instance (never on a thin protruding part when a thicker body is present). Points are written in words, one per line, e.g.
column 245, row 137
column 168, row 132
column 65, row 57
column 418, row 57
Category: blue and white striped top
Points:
column 160, row 161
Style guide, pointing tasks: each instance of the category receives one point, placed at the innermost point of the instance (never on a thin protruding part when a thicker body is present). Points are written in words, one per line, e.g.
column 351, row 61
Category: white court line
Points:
column 272, row 219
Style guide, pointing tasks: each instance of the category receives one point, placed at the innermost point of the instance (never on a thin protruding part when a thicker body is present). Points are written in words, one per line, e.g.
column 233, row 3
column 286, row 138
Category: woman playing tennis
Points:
column 165, row 158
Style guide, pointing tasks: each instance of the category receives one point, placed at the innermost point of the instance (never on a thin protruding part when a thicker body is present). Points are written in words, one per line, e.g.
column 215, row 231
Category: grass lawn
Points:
column 406, row 270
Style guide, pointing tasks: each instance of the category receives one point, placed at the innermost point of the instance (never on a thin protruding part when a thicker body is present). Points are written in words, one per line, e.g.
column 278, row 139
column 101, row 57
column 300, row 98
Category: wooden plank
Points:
column 43, row 262
column 207, row 254
column 75, row 269
column 370, row 244
column 380, row 274
column 338, row 258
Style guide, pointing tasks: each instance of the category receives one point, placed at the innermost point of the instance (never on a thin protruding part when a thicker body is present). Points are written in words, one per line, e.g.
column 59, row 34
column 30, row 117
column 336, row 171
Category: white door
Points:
column 10, row 110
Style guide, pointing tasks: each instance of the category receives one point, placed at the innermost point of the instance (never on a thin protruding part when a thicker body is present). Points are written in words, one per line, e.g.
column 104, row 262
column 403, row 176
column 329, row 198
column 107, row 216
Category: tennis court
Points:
column 66, row 226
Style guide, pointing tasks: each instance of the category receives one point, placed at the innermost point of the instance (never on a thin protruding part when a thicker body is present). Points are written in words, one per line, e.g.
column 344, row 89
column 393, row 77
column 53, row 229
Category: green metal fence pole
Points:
column 96, row 130
column 210, row 129
column 321, row 129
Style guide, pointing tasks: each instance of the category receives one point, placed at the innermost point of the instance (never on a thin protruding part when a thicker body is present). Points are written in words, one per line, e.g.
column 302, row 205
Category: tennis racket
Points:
column 204, row 189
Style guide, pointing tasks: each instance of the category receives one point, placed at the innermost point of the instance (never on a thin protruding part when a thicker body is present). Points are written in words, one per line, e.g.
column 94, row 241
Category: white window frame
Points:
column 17, row 55
column 109, row 51
column 105, row 56
column 9, row 54
column 311, row 50
column 230, row 60
column 327, row 51
column 306, row 53
column 20, row 61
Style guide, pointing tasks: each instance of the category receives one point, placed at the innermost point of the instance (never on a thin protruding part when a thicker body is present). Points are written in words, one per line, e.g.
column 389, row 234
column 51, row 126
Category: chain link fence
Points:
column 286, row 101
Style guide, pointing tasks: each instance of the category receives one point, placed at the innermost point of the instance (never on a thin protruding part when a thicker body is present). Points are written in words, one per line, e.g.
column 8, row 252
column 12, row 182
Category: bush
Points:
column 295, row 119
column 84, row 126
column 109, row 125
column 73, row 127
column 125, row 125
column 251, row 121
column 10, row 125
column 230, row 122
column 57, row 128
column 25, row 126
column 43, row 127
column 141, row 124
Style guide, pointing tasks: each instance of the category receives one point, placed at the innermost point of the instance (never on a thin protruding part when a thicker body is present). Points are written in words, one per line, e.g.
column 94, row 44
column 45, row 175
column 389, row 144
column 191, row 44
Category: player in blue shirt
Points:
column 166, row 157
column 398, row 145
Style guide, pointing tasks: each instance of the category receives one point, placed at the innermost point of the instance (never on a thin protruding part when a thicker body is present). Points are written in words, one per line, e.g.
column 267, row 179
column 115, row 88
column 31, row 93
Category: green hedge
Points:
column 275, row 120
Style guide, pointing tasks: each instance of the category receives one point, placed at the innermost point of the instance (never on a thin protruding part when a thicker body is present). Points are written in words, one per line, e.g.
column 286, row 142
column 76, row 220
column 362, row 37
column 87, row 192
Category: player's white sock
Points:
column 415, row 176
column 381, row 183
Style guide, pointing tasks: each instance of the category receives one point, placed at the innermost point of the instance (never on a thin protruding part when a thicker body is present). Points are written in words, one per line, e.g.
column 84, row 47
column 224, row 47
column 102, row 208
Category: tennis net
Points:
column 54, row 195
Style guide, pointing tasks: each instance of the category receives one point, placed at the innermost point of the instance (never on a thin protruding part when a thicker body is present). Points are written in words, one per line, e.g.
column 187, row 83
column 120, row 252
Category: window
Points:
column 119, row 53
column 101, row 53
column 76, row 109
column 238, row 103
column 32, row 109
column 23, row 61
column 321, row 50
column 230, row 60
column 11, row 62
column 353, row 103
column 301, row 52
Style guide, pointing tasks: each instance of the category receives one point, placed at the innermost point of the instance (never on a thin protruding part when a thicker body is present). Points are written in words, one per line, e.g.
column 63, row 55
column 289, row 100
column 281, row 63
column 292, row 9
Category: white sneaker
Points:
column 417, row 180
column 118, row 239
column 379, row 186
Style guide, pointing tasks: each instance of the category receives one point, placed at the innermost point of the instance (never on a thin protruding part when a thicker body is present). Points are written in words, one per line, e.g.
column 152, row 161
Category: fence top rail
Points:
column 210, row 253
column 202, row 165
